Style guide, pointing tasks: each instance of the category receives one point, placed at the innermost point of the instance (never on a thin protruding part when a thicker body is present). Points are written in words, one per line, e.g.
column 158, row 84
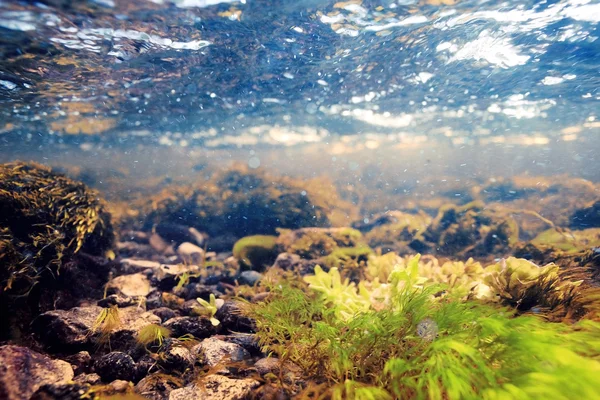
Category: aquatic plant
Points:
column 152, row 333
column 209, row 309
column 107, row 321
column 414, row 340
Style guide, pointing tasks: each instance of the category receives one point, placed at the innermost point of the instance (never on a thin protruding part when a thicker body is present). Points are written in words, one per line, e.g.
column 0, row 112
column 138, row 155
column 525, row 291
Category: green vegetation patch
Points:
column 409, row 337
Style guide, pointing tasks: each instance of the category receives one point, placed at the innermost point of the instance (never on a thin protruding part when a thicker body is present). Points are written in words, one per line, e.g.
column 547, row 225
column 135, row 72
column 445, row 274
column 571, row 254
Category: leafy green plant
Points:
column 422, row 342
column 210, row 309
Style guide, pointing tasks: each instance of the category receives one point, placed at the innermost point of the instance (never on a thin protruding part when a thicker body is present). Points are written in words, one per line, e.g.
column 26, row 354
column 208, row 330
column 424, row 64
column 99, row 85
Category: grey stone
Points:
column 190, row 253
column 214, row 351
column 250, row 278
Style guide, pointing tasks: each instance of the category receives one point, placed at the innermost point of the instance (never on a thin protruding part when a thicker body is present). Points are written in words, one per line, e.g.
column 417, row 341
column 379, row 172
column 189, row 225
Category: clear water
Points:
column 406, row 107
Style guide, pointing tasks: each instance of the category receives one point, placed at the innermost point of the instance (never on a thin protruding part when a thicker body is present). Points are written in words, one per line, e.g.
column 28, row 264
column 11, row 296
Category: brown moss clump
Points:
column 244, row 202
column 394, row 230
column 45, row 218
column 469, row 230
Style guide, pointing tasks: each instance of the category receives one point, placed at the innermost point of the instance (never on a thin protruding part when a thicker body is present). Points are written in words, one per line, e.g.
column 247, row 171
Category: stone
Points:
column 164, row 313
column 232, row 320
column 274, row 366
column 168, row 275
column 144, row 365
column 130, row 285
column 160, row 245
column 61, row 391
column 293, row 262
column 157, row 386
column 194, row 290
column 214, row 351
column 199, row 327
column 115, row 365
column 81, row 362
column 246, row 340
column 90, row 379
column 216, row 387
column 131, row 266
column 71, row 330
column 23, row 371
column 190, row 253
column 177, row 358
column 250, row 278
column 119, row 300
column 191, row 308
column 133, row 249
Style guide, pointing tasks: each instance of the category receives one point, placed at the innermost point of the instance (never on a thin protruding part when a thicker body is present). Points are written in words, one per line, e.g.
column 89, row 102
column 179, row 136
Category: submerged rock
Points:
column 214, row 351
column 176, row 357
column 199, row 327
column 231, row 318
column 115, row 366
column 77, row 328
column 46, row 219
column 216, row 387
column 61, row 391
column 23, row 371
column 234, row 202
column 157, row 386
column 588, row 217
column 130, row 285
column 190, row 253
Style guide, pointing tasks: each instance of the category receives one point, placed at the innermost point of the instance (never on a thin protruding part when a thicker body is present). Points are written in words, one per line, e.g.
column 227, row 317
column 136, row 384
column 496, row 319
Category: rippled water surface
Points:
column 220, row 73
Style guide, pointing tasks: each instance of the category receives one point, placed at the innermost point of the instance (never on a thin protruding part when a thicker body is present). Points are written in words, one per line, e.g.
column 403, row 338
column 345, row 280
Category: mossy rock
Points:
column 44, row 219
column 245, row 202
column 470, row 230
column 394, row 230
column 312, row 243
column 256, row 252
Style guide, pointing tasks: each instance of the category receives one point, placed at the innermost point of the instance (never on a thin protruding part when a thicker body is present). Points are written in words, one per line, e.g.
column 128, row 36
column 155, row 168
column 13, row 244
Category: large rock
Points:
column 115, row 365
column 232, row 319
column 216, row 387
column 23, row 371
column 199, row 327
column 73, row 330
column 213, row 351
column 130, row 285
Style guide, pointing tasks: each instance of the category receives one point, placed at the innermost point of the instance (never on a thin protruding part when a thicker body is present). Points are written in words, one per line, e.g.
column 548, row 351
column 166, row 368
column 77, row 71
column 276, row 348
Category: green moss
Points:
column 256, row 252
column 409, row 341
